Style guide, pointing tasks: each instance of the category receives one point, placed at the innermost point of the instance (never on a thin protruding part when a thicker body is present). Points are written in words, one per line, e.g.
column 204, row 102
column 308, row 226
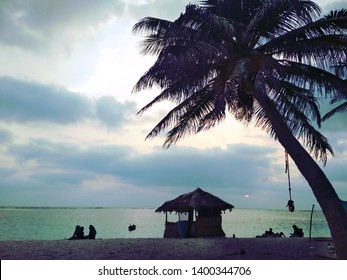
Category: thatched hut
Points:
column 199, row 215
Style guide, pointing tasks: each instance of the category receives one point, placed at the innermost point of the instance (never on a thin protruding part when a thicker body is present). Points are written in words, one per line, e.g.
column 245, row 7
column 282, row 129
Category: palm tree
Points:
column 266, row 69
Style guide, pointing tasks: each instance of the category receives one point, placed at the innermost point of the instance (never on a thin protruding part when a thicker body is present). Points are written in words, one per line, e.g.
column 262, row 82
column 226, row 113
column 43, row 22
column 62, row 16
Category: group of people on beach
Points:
column 270, row 233
column 298, row 232
column 79, row 233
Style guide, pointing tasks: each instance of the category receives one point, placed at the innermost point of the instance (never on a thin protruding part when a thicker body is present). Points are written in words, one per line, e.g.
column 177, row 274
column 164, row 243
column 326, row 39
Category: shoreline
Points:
column 170, row 249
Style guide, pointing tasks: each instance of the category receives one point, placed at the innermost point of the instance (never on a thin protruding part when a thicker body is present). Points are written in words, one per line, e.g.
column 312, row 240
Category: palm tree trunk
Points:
column 319, row 183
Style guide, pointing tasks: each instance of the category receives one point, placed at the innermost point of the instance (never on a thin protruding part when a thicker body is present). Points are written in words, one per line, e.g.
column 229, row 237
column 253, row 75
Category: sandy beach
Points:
column 170, row 249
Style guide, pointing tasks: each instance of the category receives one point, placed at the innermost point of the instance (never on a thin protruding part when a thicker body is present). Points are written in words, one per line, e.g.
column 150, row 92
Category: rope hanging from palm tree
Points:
column 290, row 203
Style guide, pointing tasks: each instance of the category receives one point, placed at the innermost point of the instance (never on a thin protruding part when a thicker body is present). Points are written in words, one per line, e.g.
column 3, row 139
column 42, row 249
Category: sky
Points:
column 69, row 130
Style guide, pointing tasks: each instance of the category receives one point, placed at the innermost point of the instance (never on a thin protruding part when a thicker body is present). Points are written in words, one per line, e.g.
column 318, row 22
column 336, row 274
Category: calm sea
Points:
column 59, row 223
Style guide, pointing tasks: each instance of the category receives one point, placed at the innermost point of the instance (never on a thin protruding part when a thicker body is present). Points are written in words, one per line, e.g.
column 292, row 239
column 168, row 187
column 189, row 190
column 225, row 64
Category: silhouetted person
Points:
column 297, row 232
column 268, row 232
column 281, row 234
column 78, row 233
column 92, row 232
column 81, row 233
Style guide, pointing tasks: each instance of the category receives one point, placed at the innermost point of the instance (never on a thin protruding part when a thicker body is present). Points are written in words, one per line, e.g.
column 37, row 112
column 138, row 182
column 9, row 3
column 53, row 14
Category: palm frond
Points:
column 190, row 115
column 310, row 77
column 151, row 25
column 337, row 14
column 333, row 25
column 339, row 109
column 292, row 98
column 276, row 18
column 300, row 125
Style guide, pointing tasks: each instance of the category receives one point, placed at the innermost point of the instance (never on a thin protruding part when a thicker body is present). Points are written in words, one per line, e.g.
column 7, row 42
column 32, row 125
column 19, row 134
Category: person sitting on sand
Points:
column 81, row 233
column 78, row 233
column 92, row 232
column 297, row 232
column 268, row 233
column 281, row 234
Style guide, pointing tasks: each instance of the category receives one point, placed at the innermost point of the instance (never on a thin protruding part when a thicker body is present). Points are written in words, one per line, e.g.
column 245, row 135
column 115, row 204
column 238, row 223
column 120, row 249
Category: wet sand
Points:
column 170, row 249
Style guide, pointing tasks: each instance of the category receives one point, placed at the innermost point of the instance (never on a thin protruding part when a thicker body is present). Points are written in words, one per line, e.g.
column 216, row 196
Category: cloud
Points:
column 102, row 174
column 191, row 167
column 169, row 10
column 113, row 113
column 5, row 136
column 332, row 6
column 61, row 165
column 36, row 23
column 24, row 102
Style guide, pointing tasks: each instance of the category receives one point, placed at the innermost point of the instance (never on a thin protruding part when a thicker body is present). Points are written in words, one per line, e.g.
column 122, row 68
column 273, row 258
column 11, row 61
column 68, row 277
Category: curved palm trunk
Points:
column 319, row 183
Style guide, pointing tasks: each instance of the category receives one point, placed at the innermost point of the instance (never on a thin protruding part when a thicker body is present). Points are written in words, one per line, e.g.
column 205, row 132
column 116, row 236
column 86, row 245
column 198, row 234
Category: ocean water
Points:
column 58, row 223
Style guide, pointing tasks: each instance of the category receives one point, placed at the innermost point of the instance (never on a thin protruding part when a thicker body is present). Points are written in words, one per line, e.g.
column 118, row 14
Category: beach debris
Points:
column 131, row 227
column 242, row 251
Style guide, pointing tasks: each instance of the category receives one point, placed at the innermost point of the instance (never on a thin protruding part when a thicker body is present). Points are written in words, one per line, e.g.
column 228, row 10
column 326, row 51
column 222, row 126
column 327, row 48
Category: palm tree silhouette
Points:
column 265, row 64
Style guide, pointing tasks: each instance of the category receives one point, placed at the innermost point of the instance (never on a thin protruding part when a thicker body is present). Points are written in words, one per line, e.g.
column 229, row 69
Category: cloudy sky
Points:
column 70, row 135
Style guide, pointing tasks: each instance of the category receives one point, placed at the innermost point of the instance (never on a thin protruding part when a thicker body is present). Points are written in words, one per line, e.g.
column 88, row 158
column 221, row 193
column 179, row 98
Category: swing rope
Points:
column 290, row 203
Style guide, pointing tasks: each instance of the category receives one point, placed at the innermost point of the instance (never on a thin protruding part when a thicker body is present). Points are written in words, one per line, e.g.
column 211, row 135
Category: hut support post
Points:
column 190, row 220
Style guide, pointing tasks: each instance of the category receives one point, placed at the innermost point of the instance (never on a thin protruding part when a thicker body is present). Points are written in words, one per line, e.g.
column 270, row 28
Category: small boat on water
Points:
column 131, row 227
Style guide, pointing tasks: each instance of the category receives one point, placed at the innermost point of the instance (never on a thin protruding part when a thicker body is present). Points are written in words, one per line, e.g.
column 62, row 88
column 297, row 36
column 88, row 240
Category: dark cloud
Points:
column 24, row 101
column 113, row 113
column 33, row 23
column 36, row 24
column 177, row 168
column 63, row 156
column 189, row 167
column 120, row 171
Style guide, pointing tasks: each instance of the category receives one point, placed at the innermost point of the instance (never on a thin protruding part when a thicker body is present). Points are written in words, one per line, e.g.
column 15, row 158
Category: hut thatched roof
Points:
column 197, row 200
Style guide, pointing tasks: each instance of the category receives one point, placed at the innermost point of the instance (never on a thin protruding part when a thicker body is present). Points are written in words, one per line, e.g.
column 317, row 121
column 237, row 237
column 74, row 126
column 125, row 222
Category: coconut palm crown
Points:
column 267, row 67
